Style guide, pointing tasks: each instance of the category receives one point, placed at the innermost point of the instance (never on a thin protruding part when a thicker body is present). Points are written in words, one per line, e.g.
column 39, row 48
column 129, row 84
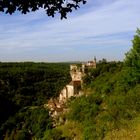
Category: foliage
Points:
column 51, row 7
column 113, row 103
column 133, row 56
column 53, row 134
column 27, row 85
column 109, row 111
column 28, row 123
column 103, row 67
column 71, row 130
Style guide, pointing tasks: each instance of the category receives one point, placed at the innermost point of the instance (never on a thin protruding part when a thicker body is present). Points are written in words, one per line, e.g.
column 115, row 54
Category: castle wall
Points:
column 66, row 93
column 70, row 89
column 63, row 94
column 76, row 76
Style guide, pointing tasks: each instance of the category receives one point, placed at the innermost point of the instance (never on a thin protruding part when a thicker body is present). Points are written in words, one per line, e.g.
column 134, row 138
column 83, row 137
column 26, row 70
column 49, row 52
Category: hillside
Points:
column 110, row 108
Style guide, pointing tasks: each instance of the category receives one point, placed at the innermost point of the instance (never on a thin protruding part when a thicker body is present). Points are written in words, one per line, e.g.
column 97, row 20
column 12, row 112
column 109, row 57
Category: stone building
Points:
column 89, row 64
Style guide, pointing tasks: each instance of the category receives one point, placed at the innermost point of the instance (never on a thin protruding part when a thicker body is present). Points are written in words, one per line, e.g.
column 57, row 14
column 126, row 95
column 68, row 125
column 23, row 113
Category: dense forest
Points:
column 24, row 88
column 108, row 110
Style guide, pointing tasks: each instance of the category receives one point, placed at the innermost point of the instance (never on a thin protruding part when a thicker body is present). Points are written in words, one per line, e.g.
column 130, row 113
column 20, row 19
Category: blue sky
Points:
column 101, row 28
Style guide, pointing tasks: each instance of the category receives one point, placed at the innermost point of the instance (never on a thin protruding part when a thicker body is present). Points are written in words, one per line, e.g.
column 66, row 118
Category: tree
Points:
column 133, row 56
column 50, row 6
column 132, row 62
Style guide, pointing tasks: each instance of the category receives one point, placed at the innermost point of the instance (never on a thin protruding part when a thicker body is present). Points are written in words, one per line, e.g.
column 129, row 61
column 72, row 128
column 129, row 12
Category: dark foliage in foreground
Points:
column 50, row 6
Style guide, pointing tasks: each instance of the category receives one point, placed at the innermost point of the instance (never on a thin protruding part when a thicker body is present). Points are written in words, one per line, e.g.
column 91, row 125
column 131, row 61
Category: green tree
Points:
column 132, row 61
column 133, row 56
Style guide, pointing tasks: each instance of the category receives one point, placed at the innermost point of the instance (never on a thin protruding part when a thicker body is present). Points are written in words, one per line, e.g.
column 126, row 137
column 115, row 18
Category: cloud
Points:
column 99, row 27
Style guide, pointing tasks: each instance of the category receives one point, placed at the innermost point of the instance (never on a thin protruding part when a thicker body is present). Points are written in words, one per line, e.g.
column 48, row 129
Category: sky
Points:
column 101, row 28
